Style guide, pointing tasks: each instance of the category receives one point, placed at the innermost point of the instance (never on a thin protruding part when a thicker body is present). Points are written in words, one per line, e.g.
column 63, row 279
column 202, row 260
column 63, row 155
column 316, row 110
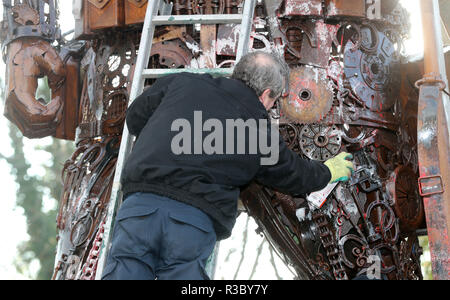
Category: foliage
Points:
column 33, row 195
column 425, row 260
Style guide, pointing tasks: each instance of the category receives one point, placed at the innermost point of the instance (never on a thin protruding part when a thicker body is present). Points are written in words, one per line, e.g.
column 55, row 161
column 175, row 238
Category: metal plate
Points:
column 310, row 96
column 373, row 75
column 307, row 8
column 318, row 54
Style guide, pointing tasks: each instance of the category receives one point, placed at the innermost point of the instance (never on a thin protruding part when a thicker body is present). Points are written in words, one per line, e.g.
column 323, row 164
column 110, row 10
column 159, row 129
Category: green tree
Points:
column 426, row 263
column 31, row 192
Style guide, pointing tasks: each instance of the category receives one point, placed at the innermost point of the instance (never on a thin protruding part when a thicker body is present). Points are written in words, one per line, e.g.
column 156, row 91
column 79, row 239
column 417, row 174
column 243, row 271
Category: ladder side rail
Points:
column 246, row 28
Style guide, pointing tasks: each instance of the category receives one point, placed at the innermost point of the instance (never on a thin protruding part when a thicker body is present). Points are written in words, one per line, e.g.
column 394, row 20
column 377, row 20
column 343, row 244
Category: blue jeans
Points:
column 157, row 237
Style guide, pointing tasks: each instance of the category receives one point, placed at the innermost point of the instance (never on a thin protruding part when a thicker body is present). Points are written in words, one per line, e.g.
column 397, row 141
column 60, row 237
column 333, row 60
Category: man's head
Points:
column 265, row 73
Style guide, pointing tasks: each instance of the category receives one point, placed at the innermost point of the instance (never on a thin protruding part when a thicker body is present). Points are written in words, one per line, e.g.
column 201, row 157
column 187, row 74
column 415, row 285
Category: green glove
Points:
column 340, row 167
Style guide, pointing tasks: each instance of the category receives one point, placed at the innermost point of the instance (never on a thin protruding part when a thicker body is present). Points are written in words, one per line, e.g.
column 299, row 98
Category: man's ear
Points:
column 265, row 96
column 267, row 92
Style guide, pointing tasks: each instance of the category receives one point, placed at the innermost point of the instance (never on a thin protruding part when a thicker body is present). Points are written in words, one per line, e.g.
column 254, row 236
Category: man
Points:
column 179, row 203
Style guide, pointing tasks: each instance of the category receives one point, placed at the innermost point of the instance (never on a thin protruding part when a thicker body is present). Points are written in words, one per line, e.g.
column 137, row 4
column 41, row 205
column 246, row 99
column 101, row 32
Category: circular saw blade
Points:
column 310, row 96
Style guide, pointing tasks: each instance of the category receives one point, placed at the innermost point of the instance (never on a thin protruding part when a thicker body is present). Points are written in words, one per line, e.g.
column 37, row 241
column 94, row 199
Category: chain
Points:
column 328, row 242
column 90, row 267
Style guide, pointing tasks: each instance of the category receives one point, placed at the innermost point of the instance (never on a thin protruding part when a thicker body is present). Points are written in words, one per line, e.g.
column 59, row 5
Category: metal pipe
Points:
column 433, row 142
column 433, row 51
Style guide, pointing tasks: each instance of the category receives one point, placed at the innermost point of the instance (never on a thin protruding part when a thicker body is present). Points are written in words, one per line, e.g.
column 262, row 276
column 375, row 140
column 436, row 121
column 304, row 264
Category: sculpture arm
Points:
column 28, row 60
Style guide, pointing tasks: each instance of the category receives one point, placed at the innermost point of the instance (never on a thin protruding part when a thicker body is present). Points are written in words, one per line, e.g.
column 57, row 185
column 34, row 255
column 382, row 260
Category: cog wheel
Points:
column 172, row 54
column 373, row 74
column 310, row 96
column 408, row 205
column 320, row 142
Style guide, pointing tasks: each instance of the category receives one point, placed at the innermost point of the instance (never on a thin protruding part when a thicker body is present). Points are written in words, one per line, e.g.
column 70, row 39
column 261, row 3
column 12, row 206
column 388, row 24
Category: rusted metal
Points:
column 320, row 142
column 172, row 54
column 105, row 14
column 317, row 54
column 372, row 74
column 30, row 58
column 135, row 11
column 343, row 8
column 303, row 8
column 431, row 166
column 433, row 143
column 25, row 15
column 310, row 96
column 430, row 185
column 207, row 7
column 405, row 193
column 227, row 37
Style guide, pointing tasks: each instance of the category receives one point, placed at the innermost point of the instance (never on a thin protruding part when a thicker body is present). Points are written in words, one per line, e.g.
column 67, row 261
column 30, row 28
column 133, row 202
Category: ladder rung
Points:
column 156, row 73
column 197, row 19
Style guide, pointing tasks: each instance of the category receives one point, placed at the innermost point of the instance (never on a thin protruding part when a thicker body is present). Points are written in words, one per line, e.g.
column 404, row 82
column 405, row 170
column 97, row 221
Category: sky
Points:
column 12, row 221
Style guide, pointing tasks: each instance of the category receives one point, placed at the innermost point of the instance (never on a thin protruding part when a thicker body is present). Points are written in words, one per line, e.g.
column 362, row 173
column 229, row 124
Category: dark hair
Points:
column 262, row 70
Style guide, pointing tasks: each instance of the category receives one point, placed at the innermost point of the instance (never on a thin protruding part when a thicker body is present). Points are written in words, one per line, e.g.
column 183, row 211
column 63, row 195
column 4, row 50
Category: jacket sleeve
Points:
column 143, row 107
column 293, row 175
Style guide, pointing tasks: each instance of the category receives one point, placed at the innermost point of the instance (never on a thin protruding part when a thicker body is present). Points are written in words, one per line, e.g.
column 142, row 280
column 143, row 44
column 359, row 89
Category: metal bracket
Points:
column 430, row 184
column 431, row 79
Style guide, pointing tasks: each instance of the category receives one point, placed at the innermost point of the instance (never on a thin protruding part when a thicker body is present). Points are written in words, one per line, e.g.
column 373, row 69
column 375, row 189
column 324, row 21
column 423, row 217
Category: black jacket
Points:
column 209, row 182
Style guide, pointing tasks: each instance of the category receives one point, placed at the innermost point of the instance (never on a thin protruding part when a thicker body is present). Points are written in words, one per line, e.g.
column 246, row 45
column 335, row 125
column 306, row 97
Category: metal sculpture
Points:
column 346, row 70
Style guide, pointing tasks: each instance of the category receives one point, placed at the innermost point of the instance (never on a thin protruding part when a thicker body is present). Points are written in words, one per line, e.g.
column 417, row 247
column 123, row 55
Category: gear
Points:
column 172, row 54
column 408, row 204
column 310, row 96
column 372, row 74
column 320, row 142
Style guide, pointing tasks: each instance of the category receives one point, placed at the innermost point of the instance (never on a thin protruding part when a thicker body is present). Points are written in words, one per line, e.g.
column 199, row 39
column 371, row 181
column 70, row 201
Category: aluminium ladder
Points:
column 141, row 73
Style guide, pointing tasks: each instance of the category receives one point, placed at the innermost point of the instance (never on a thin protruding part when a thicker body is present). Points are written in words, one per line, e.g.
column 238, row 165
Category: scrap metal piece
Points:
column 227, row 39
column 203, row 7
column 318, row 53
column 404, row 191
column 372, row 76
column 278, row 38
column 138, row 3
column 29, row 60
column 259, row 203
column 99, row 3
column 294, row 32
column 172, row 54
column 320, row 142
column 30, row 19
column 304, row 8
column 346, row 8
column 25, row 15
column 310, row 95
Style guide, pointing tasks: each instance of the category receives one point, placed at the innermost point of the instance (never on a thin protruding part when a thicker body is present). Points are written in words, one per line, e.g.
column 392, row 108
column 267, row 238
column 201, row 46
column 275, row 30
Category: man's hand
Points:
column 341, row 168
